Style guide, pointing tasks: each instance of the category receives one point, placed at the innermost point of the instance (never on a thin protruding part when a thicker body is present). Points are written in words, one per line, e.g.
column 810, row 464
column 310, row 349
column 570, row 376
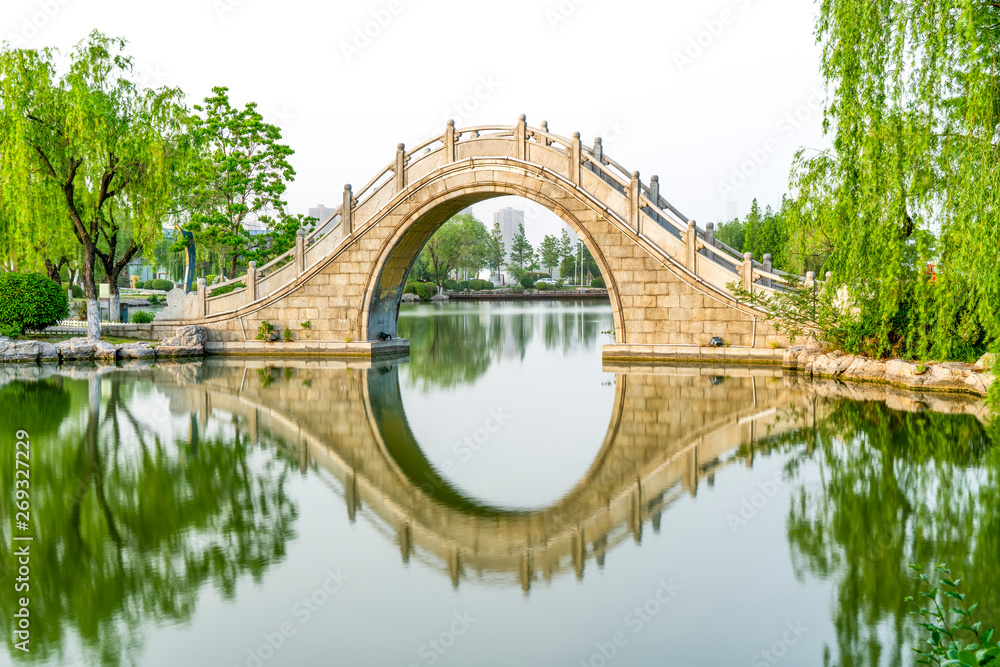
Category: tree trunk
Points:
column 90, row 290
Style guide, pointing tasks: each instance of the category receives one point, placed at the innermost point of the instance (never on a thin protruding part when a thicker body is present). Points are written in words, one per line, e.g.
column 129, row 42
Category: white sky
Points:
column 601, row 67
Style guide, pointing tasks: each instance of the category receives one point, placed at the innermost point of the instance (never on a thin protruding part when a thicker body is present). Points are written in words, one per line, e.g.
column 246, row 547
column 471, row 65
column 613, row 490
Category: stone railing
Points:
column 593, row 173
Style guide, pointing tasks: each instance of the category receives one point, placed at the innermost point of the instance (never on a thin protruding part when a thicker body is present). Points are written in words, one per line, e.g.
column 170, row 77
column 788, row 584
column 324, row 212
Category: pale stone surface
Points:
column 986, row 362
column 76, row 349
column 180, row 306
column 948, row 376
column 188, row 342
column 23, row 350
column 135, row 351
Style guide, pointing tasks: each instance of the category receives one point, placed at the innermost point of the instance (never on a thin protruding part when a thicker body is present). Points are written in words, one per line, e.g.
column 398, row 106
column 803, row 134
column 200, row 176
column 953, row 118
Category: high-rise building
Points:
column 510, row 220
column 321, row 213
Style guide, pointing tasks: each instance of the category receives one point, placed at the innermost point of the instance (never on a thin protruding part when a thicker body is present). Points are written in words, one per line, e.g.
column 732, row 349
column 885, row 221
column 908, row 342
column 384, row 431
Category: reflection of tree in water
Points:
column 129, row 527
column 449, row 349
column 896, row 488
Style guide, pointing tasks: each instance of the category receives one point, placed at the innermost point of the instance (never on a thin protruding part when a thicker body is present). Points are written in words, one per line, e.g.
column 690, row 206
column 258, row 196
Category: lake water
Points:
column 501, row 497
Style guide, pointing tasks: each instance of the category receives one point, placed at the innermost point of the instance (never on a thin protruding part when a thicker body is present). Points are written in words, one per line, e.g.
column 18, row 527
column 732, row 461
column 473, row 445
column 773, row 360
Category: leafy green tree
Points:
column 237, row 184
column 521, row 252
column 565, row 249
column 90, row 153
column 550, row 251
column 460, row 243
column 914, row 177
column 496, row 250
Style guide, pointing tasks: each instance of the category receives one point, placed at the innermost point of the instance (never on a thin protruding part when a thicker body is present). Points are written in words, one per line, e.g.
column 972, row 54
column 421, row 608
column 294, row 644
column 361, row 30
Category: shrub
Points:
column 30, row 301
column 142, row 317
column 287, row 335
column 597, row 282
column 432, row 289
column 426, row 290
column 541, row 287
column 476, row 284
column 527, row 282
column 124, row 280
column 76, row 289
column 210, row 278
column 451, row 285
column 226, row 289
column 159, row 284
column 411, row 288
column 464, row 284
column 264, row 331
column 487, row 284
column 516, row 288
column 154, row 299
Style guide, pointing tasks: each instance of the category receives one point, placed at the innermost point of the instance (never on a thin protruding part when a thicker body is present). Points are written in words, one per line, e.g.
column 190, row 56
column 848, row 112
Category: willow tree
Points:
column 914, row 176
column 89, row 152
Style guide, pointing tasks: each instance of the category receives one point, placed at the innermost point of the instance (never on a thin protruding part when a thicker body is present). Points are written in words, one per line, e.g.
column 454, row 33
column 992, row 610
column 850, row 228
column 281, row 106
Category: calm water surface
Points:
column 501, row 497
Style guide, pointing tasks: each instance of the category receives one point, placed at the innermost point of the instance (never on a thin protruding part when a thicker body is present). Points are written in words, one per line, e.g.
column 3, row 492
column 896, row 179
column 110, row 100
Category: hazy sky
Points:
column 714, row 96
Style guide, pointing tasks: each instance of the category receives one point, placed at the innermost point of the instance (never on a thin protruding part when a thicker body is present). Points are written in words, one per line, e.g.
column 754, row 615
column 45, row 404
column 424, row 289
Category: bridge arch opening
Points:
column 383, row 294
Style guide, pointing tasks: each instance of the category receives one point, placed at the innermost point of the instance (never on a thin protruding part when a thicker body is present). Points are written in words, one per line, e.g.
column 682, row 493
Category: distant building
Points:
column 321, row 213
column 510, row 220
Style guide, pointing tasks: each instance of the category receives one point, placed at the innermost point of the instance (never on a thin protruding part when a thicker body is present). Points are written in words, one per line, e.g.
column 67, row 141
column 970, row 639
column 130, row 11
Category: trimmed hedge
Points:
column 226, row 289
column 597, row 282
column 541, row 287
column 142, row 317
column 77, row 290
column 30, row 302
column 527, row 282
column 424, row 290
column 452, row 285
column 159, row 284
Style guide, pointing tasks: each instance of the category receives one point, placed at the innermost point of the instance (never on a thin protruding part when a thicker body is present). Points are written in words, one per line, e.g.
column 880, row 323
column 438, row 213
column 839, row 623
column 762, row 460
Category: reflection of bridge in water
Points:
column 670, row 427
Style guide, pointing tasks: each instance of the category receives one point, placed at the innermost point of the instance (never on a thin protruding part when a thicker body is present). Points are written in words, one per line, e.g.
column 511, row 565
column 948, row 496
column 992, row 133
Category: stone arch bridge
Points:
column 665, row 276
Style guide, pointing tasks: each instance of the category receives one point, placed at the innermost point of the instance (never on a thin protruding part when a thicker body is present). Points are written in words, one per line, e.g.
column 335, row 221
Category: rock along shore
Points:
column 952, row 376
column 189, row 341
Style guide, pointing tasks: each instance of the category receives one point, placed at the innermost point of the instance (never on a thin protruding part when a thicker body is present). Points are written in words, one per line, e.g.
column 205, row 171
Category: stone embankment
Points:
column 188, row 342
column 952, row 376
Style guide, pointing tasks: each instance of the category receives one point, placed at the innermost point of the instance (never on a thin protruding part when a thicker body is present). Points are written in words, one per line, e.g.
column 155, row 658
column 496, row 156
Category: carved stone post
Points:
column 598, row 154
column 545, row 128
column 691, row 238
column 300, row 252
column 449, row 142
column 400, row 178
column 347, row 212
column 748, row 271
column 574, row 160
column 767, row 268
column 521, row 138
column 251, row 282
column 810, row 280
column 654, row 190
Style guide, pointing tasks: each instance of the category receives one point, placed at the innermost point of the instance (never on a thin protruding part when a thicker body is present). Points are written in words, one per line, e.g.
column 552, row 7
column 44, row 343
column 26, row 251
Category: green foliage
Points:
column 287, row 335
column 30, row 302
column 517, row 288
column 463, row 284
column 238, row 177
column 264, row 331
column 597, row 282
column 527, row 282
column 142, row 317
column 521, row 252
column 451, row 285
column 953, row 638
column 424, row 290
column 459, row 244
column 154, row 299
column 76, row 289
column 550, row 252
column 210, row 278
column 541, row 287
column 306, row 325
column 914, row 177
column 477, row 285
column 762, row 233
column 496, row 250
column 89, row 156
column 226, row 289
column 158, row 284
